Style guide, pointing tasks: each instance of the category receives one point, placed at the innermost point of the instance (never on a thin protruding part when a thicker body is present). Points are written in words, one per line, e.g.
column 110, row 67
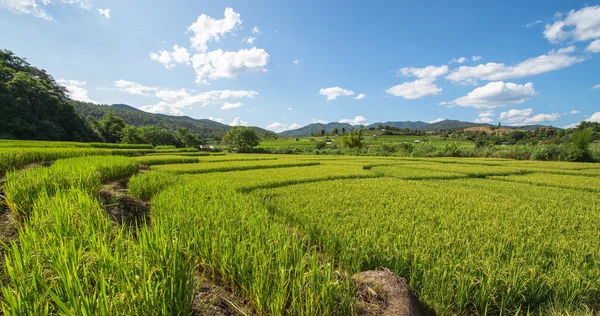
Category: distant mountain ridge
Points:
column 136, row 117
column 418, row 125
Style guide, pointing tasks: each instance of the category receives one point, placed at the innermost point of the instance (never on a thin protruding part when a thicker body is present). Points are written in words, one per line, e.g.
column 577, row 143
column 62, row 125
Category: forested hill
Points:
column 34, row 106
column 132, row 116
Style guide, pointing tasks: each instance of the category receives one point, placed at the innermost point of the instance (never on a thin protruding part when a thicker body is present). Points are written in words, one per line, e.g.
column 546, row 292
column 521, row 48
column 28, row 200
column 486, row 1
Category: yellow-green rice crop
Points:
column 228, row 166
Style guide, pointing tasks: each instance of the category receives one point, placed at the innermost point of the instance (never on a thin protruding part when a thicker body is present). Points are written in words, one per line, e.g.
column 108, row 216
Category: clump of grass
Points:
column 146, row 185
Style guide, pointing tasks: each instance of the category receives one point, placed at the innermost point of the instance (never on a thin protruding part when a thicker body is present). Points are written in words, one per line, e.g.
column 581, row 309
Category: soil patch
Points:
column 214, row 298
column 121, row 207
column 385, row 293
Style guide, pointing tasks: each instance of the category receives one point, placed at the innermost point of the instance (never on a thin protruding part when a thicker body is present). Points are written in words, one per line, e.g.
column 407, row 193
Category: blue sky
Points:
column 280, row 65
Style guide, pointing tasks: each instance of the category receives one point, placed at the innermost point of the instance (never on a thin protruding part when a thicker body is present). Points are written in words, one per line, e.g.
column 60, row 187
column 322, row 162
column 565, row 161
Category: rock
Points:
column 385, row 293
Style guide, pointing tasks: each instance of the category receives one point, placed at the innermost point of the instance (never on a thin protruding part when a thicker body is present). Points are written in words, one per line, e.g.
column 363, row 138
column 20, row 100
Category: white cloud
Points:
column 315, row 121
column 162, row 108
column 334, row 92
column 216, row 119
column 554, row 60
column 580, row 25
column 574, row 125
column 105, row 13
column 134, row 87
column 496, row 94
column 180, row 55
column 415, row 90
column 229, row 105
column 516, row 117
column 289, row 109
column 476, row 58
column 594, row 47
column 429, row 73
column 360, row 96
column 296, row 61
column 207, row 29
column 238, row 122
column 76, row 90
column 534, row 23
column 256, row 30
column 250, row 40
column 594, row 118
column 485, row 117
column 458, row 60
column 34, row 7
column 219, row 64
column 596, row 86
column 355, row 121
column 280, row 127
column 437, row 120
column 574, row 112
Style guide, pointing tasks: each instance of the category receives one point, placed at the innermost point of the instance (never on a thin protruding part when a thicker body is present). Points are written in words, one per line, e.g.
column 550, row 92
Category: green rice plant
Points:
column 233, row 237
column 575, row 182
column 22, row 188
column 409, row 172
column 69, row 259
column 146, row 185
column 467, row 246
column 179, row 154
column 166, row 147
column 121, row 146
column 178, row 150
column 228, row 167
column 165, row 160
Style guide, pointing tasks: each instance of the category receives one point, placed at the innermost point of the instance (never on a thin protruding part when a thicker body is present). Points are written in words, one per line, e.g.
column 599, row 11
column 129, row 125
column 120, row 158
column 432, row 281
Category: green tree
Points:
column 335, row 131
column 131, row 135
column 34, row 106
column 111, row 127
column 187, row 138
column 322, row 132
column 354, row 139
column 343, row 130
column 582, row 138
column 241, row 138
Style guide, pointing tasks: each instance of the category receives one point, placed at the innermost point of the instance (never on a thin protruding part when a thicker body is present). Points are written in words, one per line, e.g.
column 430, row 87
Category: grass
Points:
column 471, row 235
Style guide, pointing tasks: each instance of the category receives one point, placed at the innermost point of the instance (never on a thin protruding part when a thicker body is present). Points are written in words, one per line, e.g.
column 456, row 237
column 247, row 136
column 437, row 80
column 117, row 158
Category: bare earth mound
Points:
column 385, row 293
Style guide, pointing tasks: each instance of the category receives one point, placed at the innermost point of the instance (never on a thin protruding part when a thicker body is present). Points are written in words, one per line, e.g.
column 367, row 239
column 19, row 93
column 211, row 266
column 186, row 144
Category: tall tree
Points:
column 241, row 138
column 34, row 106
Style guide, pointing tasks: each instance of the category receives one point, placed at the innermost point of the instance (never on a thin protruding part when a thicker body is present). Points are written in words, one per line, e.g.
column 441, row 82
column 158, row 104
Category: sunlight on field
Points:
column 471, row 235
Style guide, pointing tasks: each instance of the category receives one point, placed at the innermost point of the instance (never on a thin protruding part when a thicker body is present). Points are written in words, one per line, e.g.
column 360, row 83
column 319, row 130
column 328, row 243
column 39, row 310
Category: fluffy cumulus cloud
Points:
column 516, row 117
column 179, row 55
column 207, row 29
column 577, row 25
column 355, row 121
column 415, row 89
column 437, row 120
column 280, row 127
column 554, row 60
column 458, row 60
column 134, row 87
column 360, row 96
column 495, row 94
column 250, row 40
column 35, row 7
column 229, row 105
column 594, row 47
column 594, row 118
column 335, row 92
column 105, row 13
column 256, row 30
column 174, row 101
column 219, row 64
column 485, row 117
column 76, row 90
column 238, row 122
column 217, row 119
column 476, row 58
column 316, row 121
column 421, row 87
column 429, row 73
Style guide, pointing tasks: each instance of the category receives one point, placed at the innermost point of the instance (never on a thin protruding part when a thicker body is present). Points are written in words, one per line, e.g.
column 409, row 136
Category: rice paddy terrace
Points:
column 286, row 233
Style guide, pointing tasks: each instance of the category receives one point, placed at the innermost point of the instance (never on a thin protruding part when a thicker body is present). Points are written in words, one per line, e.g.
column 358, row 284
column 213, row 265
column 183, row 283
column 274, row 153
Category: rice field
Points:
column 286, row 233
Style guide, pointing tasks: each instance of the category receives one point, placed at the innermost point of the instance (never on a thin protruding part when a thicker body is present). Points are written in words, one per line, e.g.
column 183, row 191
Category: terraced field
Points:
column 286, row 233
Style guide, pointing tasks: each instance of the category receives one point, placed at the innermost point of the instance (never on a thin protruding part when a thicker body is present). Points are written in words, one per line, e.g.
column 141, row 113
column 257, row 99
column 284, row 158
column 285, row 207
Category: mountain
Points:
column 316, row 128
column 418, row 125
column 136, row 117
